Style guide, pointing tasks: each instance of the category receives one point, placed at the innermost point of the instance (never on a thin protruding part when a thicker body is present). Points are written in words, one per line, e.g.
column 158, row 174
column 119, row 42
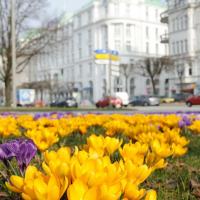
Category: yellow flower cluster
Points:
column 195, row 127
column 9, row 127
column 89, row 174
column 143, row 128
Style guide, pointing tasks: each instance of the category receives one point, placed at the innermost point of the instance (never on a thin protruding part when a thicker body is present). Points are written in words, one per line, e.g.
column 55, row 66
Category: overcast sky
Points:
column 58, row 6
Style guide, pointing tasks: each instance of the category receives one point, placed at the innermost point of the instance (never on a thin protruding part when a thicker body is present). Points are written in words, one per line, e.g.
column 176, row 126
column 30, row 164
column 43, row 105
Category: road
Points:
column 163, row 108
column 175, row 107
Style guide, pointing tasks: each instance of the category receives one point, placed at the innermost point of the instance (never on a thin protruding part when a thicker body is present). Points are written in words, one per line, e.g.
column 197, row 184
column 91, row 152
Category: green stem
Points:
column 12, row 168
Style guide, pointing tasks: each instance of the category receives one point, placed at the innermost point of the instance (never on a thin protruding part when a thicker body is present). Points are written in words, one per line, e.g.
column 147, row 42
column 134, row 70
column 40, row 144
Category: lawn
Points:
column 135, row 146
column 180, row 180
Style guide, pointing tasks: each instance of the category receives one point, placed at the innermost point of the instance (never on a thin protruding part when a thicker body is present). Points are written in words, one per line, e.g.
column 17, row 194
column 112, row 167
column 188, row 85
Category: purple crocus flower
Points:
column 185, row 121
column 22, row 149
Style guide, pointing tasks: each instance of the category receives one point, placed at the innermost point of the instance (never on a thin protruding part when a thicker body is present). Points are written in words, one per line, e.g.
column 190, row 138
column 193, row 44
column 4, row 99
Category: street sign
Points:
column 105, row 56
column 25, row 96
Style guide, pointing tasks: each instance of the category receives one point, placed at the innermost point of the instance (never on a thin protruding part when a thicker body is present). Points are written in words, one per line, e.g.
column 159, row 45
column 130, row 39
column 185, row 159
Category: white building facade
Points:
column 183, row 19
column 131, row 27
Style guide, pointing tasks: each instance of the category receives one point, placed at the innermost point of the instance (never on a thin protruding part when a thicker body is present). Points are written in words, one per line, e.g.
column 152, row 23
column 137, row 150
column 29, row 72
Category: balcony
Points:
column 164, row 17
column 164, row 38
column 181, row 4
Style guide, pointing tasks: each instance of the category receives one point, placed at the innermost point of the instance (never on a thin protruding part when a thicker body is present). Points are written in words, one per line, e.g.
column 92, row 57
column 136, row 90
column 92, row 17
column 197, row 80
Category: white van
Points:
column 124, row 97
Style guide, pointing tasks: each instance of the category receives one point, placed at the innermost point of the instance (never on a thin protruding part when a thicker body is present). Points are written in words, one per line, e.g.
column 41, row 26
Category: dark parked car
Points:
column 144, row 100
column 193, row 100
column 181, row 97
column 115, row 102
column 69, row 102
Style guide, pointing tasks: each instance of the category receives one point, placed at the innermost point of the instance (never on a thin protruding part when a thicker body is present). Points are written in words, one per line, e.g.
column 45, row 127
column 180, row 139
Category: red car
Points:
column 109, row 101
column 193, row 100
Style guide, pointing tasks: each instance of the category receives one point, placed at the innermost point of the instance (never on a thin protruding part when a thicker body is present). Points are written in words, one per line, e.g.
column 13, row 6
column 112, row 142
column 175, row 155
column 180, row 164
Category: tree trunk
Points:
column 126, row 83
column 8, row 78
column 153, row 85
column 8, row 91
column 181, row 84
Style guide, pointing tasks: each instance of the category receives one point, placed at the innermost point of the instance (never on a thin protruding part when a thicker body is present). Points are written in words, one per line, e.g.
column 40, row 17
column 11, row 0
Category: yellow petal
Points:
column 64, row 186
column 151, row 195
column 77, row 190
column 30, row 172
column 91, row 194
column 12, row 188
column 46, row 168
column 26, row 197
column 53, row 192
column 40, row 189
column 17, row 181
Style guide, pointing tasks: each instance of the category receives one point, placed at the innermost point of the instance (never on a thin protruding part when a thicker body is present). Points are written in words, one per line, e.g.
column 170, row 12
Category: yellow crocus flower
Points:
column 132, row 192
column 112, row 144
column 151, row 195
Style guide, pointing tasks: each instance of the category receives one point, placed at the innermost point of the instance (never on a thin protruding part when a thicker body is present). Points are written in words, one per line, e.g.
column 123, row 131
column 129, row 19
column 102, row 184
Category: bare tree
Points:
column 152, row 67
column 125, row 70
column 29, row 41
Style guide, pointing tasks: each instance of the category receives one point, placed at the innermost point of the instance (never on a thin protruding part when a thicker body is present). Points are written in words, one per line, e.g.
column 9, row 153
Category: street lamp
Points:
column 13, row 52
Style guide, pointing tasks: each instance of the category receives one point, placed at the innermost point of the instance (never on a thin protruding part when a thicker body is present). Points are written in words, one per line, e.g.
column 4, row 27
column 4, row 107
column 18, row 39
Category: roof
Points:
column 160, row 3
column 87, row 5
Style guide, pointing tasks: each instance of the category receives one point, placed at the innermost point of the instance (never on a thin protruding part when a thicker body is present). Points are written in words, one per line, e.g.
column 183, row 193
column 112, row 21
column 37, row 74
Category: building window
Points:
column 106, row 9
column 185, row 21
column 55, row 77
column 89, row 16
column 103, row 69
column 62, row 71
column 90, row 69
column 128, row 46
column 147, row 47
column 116, row 7
column 128, row 9
column 157, row 49
column 79, row 21
column 156, row 14
column 147, row 12
column 177, row 48
column 148, row 81
column 182, row 48
column 128, row 30
column 173, row 25
column 89, row 49
column 186, row 46
column 104, row 30
column 156, row 33
column 190, row 71
column 166, row 49
column 118, row 84
column 117, row 45
column 80, row 71
column 173, row 48
column 89, row 36
column 177, row 23
column 181, row 24
column 157, row 91
column 117, row 30
column 157, row 81
column 80, row 53
column 147, row 32
column 79, row 39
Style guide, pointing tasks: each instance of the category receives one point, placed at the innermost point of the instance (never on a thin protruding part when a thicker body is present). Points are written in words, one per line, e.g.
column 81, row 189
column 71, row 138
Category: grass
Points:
column 181, row 179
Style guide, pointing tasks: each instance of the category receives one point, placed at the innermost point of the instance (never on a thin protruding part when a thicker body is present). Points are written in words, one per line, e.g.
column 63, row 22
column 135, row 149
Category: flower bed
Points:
column 61, row 156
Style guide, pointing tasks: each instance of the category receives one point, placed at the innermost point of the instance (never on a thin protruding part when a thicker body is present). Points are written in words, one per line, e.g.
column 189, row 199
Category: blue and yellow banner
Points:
column 103, row 54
